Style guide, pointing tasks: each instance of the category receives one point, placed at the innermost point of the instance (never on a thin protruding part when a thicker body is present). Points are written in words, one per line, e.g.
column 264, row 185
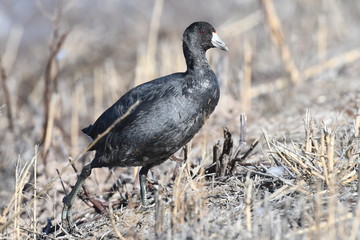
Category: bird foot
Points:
column 66, row 218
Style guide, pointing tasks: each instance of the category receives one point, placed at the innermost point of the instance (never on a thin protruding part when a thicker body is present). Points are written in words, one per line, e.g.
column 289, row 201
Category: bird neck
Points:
column 195, row 58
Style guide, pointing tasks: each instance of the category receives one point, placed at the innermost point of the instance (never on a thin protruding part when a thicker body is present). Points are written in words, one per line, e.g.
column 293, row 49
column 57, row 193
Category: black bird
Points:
column 171, row 111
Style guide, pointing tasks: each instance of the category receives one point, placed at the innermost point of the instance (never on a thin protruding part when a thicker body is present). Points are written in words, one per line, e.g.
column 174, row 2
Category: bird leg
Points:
column 68, row 200
column 142, row 177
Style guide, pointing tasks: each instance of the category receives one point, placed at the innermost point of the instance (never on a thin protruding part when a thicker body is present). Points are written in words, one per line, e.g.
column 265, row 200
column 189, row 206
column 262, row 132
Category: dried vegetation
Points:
column 277, row 160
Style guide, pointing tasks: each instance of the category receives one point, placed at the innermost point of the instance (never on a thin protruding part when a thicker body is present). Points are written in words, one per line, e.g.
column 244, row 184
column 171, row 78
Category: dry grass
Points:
column 300, row 181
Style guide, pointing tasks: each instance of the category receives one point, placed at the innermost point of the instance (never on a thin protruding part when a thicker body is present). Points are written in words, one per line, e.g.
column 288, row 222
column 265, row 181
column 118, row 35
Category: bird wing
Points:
column 147, row 93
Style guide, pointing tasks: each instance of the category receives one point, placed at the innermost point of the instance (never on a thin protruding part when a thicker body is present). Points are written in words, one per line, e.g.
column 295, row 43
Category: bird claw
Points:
column 66, row 218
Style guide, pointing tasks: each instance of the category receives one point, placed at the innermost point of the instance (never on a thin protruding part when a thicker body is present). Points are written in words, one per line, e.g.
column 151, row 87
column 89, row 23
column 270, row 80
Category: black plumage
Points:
column 171, row 111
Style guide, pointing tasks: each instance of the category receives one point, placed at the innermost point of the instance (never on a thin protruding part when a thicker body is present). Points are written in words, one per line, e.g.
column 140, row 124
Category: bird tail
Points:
column 88, row 131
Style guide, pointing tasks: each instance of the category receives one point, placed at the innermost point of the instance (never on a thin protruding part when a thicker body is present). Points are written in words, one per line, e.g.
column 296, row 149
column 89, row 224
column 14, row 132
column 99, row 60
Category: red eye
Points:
column 202, row 31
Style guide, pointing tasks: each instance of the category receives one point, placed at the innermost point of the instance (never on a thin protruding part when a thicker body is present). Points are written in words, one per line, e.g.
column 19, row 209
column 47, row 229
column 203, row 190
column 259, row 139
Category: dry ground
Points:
column 293, row 69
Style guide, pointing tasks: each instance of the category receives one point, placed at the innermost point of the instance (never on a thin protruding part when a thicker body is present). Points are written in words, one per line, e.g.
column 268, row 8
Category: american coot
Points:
column 171, row 111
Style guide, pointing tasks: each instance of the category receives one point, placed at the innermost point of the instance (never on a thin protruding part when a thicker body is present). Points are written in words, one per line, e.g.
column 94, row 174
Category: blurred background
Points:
column 64, row 62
